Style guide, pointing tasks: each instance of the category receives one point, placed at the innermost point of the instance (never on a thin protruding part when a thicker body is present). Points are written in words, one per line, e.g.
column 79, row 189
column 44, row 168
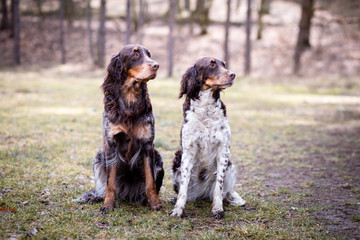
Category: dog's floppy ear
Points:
column 115, row 71
column 113, row 80
column 190, row 83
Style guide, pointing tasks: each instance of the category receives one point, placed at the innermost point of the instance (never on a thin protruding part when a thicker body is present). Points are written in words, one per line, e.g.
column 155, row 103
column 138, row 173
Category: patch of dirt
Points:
column 328, row 179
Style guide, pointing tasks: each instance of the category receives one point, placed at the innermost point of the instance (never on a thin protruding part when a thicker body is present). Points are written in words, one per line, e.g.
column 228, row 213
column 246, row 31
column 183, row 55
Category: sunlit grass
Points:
column 51, row 129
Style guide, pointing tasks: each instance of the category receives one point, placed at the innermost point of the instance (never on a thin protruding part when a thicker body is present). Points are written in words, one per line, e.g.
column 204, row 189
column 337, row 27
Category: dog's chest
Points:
column 205, row 125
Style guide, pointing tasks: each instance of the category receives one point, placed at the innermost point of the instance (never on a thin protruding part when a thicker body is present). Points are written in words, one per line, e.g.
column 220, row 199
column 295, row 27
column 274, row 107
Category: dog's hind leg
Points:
column 231, row 196
column 98, row 194
column 100, row 174
column 234, row 199
column 158, row 170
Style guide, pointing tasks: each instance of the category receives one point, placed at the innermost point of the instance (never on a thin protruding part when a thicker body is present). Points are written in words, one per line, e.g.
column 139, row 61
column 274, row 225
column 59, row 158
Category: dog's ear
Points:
column 190, row 83
column 115, row 71
column 113, row 80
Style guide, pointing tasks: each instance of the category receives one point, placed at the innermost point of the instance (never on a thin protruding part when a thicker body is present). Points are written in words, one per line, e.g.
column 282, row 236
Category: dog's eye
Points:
column 136, row 54
column 213, row 65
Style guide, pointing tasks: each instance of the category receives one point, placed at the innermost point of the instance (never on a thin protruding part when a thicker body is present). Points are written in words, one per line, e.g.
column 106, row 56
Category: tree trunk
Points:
column 134, row 17
column 101, row 36
column 226, row 41
column 201, row 14
column 5, row 19
column 16, row 29
column 238, row 2
column 261, row 13
column 69, row 12
column 39, row 7
column 128, row 21
column 171, row 37
column 62, row 32
column 187, row 5
column 303, row 42
column 141, row 20
column 248, row 42
column 12, row 19
column 267, row 6
column 90, row 35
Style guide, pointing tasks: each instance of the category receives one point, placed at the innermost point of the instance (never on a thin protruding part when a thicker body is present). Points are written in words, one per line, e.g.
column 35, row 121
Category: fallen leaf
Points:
column 23, row 203
column 6, row 209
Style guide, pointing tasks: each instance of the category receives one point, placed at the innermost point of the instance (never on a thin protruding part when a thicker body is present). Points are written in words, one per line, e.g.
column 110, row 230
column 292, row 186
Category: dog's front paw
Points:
column 106, row 208
column 157, row 207
column 218, row 214
column 155, row 204
column 176, row 213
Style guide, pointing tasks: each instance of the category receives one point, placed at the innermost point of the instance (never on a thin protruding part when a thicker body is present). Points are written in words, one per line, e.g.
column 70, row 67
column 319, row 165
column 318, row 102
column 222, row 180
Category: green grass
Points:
column 51, row 129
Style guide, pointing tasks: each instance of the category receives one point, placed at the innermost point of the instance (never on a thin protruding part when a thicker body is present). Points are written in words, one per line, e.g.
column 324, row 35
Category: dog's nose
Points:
column 155, row 65
column 231, row 75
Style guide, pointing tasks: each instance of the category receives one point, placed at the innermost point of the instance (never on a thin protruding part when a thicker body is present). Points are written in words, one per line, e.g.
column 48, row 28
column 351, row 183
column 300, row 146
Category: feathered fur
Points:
column 202, row 168
column 127, row 166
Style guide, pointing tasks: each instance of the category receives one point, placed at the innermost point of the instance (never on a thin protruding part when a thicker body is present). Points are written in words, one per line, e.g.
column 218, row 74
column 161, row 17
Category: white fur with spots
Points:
column 206, row 151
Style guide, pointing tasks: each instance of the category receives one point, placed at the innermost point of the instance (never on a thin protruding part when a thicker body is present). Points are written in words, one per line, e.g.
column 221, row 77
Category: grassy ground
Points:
column 296, row 148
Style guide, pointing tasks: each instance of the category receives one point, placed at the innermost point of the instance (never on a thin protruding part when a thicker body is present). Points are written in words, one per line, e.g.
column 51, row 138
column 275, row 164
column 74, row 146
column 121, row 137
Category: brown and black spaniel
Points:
column 128, row 166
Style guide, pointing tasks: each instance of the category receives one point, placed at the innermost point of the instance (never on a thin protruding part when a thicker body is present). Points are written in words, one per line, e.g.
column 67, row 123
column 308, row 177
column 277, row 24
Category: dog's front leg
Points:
column 187, row 163
column 222, row 163
column 151, row 193
column 110, row 194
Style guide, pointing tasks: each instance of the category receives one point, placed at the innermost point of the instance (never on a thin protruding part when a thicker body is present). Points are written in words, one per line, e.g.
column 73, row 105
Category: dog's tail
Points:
column 158, row 170
column 98, row 194
column 89, row 197
column 176, row 173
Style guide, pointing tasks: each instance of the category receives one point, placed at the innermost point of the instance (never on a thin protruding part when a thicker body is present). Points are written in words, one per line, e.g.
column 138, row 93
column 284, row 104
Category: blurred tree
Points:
column 62, row 32
column 134, row 16
column 12, row 19
column 16, row 30
column 128, row 21
column 303, row 42
column 70, row 12
column 171, row 37
column 187, row 5
column 201, row 14
column 226, row 41
column 238, row 2
column 101, row 36
column 90, row 35
column 248, row 41
column 267, row 4
column 261, row 12
column 4, row 19
column 141, row 20
column 39, row 7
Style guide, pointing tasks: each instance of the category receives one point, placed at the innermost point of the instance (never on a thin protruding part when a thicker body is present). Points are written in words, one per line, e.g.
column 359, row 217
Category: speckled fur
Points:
column 202, row 169
column 127, row 166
